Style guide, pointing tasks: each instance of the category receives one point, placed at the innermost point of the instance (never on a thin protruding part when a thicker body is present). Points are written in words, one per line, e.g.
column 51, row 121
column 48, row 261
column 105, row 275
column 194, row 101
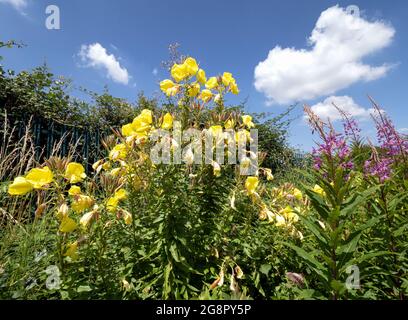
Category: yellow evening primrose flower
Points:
column 127, row 217
column 201, row 76
column 191, row 66
column 74, row 190
column 141, row 125
column 247, row 120
column 75, row 172
column 86, row 219
column 289, row 214
column 179, row 72
column 166, row 85
column 297, row 193
column 167, row 121
column 72, row 251
column 318, row 189
column 242, row 136
column 112, row 204
column 227, row 78
column 234, row 87
column 194, row 90
column 120, row 194
column 20, row 186
column 62, row 211
column 280, row 221
column 268, row 173
column 67, row 225
column 127, row 130
column 215, row 130
column 251, row 184
column 119, row 152
column 39, row 177
column 115, row 172
column 81, row 203
column 147, row 116
column 229, row 124
column 206, row 95
column 211, row 83
column 216, row 169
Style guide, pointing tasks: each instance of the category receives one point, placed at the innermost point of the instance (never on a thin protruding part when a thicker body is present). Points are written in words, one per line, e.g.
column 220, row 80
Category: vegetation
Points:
column 138, row 229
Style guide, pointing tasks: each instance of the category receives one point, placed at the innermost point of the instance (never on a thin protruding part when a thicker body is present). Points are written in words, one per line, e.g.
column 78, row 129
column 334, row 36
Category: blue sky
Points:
column 348, row 60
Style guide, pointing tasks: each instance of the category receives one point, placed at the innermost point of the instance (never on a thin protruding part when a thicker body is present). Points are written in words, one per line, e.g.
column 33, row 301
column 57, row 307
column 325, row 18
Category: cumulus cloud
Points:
column 18, row 4
column 326, row 109
column 332, row 61
column 96, row 56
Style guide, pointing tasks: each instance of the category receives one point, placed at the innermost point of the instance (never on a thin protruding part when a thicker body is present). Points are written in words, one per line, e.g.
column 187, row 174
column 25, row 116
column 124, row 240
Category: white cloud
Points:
column 333, row 60
column 96, row 56
column 403, row 130
column 18, row 4
column 326, row 110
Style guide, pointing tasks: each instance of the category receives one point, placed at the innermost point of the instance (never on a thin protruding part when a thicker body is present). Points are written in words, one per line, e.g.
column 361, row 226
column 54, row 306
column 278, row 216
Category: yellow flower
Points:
column 75, row 172
column 127, row 130
column 297, row 193
column 167, row 121
column 229, row 124
column 201, row 76
column 289, row 214
column 82, row 203
column 179, row 72
column 234, row 88
column 106, row 166
column 194, row 90
column 242, row 136
column 227, row 78
column 280, row 221
column 166, row 84
column 20, row 186
column 87, row 217
column 74, row 190
column 67, row 225
column 269, row 175
column 206, row 95
column 216, row 169
column 317, row 189
column 127, row 217
column 147, row 116
column 211, row 83
column 39, row 177
column 62, row 211
column 141, row 125
column 247, row 120
column 119, row 152
column 251, row 184
column 97, row 166
column 215, row 130
column 120, row 194
column 266, row 213
column 191, row 66
column 113, row 202
column 72, row 251
column 115, row 172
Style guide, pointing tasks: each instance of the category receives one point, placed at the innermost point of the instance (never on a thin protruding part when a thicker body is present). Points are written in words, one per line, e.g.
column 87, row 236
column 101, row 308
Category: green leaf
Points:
column 84, row 289
column 265, row 268
column 317, row 267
